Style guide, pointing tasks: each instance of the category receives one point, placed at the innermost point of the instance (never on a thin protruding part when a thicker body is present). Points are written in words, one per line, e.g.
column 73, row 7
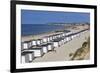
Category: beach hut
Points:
column 64, row 34
column 57, row 42
column 48, row 38
column 59, row 35
column 50, row 46
column 69, row 38
column 51, row 37
column 65, row 39
column 47, row 47
column 72, row 36
column 44, row 48
column 62, row 40
column 34, row 42
column 45, row 39
column 27, row 56
column 26, row 44
column 54, row 36
column 30, row 44
column 39, row 41
column 38, row 52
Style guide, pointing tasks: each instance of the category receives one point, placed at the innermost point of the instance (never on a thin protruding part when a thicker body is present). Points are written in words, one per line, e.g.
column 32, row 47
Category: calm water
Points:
column 32, row 29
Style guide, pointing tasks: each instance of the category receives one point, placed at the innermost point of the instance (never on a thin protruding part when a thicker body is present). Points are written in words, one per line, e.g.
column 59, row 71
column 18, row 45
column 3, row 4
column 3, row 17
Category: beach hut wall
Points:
column 26, row 44
column 56, row 44
column 65, row 40
column 48, row 39
column 38, row 52
column 45, row 49
column 59, row 35
column 65, row 34
column 69, row 38
column 50, row 46
column 62, row 40
column 27, row 56
column 39, row 41
column 30, row 44
column 51, row 38
column 45, row 39
column 34, row 42
column 54, row 37
column 72, row 36
column 25, row 59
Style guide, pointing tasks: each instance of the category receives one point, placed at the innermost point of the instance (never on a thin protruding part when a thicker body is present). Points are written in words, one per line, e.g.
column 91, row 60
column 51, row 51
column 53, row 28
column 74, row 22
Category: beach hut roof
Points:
column 26, row 41
column 26, row 52
column 39, row 39
column 35, row 47
column 57, row 40
column 45, row 44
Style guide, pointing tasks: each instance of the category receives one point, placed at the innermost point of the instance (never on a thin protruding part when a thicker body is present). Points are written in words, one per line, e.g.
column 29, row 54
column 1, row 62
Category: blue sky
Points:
column 43, row 17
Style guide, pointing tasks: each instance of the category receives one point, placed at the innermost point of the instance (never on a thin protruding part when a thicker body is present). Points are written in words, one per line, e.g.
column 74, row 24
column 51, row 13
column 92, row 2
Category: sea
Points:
column 35, row 29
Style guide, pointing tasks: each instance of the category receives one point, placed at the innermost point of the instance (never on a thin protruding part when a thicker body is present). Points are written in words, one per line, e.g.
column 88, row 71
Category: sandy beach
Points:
column 63, row 52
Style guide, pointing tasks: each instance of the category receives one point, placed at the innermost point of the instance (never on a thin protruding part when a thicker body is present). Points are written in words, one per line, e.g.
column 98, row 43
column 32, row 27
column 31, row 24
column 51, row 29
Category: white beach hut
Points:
column 50, row 46
column 30, row 44
column 54, row 36
column 45, row 39
column 39, row 41
column 56, row 42
column 47, row 47
column 26, row 44
column 51, row 37
column 48, row 38
column 65, row 39
column 44, row 48
column 69, row 37
column 34, row 42
column 27, row 56
column 38, row 52
column 64, row 34
column 59, row 35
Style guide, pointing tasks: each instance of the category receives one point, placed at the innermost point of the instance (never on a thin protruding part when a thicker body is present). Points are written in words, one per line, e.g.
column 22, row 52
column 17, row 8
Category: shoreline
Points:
column 40, row 36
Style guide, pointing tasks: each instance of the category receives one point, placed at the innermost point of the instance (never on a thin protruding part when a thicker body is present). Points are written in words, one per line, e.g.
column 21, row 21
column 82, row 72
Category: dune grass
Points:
column 82, row 51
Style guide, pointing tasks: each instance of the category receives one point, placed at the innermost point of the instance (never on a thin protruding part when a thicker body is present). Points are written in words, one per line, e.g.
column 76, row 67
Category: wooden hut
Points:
column 26, row 44
column 57, row 42
column 34, row 42
column 27, row 56
column 50, row 46
column 44, row 48
column 51, row 37
column 39, row 41
column 47, row 47
column 38, row 52
column 45, row 39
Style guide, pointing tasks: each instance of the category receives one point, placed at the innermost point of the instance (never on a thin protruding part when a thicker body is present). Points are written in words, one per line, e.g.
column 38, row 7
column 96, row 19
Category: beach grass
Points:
column 82, row 51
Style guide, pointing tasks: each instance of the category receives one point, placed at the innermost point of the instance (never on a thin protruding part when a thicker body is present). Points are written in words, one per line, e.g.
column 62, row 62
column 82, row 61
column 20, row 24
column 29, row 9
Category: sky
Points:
column 45, row 17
